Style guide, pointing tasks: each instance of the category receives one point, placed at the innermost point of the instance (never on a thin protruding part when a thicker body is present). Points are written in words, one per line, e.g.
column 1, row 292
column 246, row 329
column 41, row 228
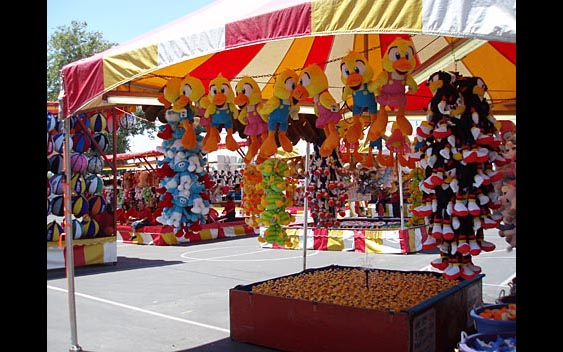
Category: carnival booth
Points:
column 91, row 218
column 344, row 77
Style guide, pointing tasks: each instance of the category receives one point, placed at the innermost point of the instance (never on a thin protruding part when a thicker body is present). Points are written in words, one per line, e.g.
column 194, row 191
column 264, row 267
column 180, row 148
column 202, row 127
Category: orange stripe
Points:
column 292, row 60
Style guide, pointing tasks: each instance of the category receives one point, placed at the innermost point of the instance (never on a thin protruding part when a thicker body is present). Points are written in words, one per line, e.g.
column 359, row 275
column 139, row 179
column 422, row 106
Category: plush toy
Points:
column 357, row 76
column 399, row 143
column 193, row 89
column 276, row 112
column 508, row 227
column 314, row 83
column 173, row 96
column 249, row 99
column 222, row 111
column 398, row 62
column 273, row 202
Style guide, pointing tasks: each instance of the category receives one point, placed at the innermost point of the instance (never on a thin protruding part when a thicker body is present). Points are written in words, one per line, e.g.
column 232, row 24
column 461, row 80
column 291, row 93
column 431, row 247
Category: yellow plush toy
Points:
column 249, row 99
column 398, row 63
column 193, row 89
column 222, row 111
column 172, row 96
column 276, row 112
column 357, row 76
column 314, row 83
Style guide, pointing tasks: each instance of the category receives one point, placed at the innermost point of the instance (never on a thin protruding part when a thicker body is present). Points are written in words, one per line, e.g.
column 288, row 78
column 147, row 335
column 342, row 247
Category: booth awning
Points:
column 261, row 38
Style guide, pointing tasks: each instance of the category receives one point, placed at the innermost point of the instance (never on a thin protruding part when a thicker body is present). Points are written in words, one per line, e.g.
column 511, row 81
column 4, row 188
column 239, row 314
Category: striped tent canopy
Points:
column 260, row 38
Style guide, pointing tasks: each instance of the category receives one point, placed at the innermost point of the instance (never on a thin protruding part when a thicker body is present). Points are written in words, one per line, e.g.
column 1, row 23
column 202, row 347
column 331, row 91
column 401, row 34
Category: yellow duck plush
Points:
column 222, row 111
column 249, row 98
column 193, row 89
column 172, row 96
column 398, row 63
column 276, row 112
column 314, row 83
column 357, row 76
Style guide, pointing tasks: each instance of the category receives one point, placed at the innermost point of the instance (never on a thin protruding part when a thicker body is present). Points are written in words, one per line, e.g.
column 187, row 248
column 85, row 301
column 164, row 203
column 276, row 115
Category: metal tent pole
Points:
column 400, row 176
column 305, row 208
column 68, row 230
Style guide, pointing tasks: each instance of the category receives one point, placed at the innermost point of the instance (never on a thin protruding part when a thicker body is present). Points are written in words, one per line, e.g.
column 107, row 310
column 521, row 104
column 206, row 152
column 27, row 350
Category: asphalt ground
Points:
column 176, row 298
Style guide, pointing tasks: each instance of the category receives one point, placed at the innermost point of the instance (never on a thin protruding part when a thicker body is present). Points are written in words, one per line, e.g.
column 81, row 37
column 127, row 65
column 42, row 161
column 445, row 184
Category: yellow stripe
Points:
column 363, row 15
column 205, row 234
column 335, row 240
column 265, row 62
column 94, row 254
column 121, row 66
column 88, row 242
column 169, row 238
column 293, row 59
column 412, row 239
column 239, row 230
column 374, row 241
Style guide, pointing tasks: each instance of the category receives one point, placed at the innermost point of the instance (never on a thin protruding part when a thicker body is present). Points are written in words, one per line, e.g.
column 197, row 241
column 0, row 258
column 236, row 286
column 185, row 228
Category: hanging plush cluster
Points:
column 252, row 196
column 274, row 201
column 459, row 144
column 326, row 192
column 87, row 141
column 415, row 177
column 184, row 182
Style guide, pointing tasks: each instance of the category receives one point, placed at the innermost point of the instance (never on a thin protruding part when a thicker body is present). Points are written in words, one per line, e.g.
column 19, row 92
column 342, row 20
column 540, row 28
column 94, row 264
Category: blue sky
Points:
column 118, row 20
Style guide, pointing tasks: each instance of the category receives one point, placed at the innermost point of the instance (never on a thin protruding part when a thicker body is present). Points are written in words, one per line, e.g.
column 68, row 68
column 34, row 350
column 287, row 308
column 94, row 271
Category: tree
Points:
column 72, row 43
column 69, row 44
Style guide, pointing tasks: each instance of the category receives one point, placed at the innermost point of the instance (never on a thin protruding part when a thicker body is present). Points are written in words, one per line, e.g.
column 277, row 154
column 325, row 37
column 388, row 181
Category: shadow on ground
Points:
column 229, row 345
column 123, row 263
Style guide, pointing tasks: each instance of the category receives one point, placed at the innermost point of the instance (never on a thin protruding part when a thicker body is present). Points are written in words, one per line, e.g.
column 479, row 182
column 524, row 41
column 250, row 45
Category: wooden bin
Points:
column 298, row 325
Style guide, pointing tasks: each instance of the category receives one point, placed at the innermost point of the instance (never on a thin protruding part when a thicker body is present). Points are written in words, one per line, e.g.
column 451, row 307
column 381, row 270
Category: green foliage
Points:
column 69, row 44
column 72, row 43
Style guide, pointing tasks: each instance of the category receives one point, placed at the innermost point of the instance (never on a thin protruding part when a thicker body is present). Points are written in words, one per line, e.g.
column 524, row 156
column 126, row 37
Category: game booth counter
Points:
column 78, row 156
column 141, row 184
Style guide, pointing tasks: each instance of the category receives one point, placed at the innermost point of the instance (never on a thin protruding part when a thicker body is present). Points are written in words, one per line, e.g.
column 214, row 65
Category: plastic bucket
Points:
column 471, row 344
column 485, row 325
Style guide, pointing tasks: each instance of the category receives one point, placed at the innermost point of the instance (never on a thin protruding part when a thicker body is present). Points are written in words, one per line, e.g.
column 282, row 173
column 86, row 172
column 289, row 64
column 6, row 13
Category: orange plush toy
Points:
column 398, row 63
column 314, row 83
column 249, row 99
column 276, row 112
column 357, row 76
column 222, row 111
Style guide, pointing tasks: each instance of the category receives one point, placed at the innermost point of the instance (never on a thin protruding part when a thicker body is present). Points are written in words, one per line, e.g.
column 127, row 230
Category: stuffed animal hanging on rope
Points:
column 398, row 63
column 173, row 96
column 314, row 83
column 249, row 99
column 276, row 111
column 357, row 76
column 193, row 89
column 222, row 111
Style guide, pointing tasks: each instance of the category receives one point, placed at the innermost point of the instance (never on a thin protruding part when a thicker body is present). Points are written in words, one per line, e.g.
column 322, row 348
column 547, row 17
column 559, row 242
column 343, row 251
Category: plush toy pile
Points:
column 459, row 144
column 252, row 196
column 274, row 201
column 507, row 187
column 88, row 140
column 185, row 184
column 326, row 192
